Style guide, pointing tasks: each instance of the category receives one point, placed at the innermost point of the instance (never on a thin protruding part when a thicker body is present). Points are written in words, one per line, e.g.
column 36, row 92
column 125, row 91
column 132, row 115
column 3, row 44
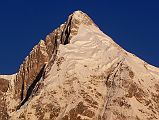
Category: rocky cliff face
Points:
column 79, row 73
column 5, row 84
column 29, row 70
column 3, row 89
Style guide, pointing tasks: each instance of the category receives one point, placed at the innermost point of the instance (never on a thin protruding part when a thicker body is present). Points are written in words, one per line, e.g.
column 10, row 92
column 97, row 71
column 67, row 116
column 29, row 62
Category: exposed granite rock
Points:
column 29, row 70
column 4, row 84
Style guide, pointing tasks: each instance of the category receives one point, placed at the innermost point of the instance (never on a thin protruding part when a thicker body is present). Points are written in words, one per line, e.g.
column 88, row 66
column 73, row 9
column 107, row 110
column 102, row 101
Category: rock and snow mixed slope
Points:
column 79, row 73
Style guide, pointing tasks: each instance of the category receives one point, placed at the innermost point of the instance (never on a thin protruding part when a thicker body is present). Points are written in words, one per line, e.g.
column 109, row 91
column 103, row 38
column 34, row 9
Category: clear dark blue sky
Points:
column 133, row 24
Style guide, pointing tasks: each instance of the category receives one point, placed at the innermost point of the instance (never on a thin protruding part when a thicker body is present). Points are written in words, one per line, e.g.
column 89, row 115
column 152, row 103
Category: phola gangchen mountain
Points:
column 79, row 73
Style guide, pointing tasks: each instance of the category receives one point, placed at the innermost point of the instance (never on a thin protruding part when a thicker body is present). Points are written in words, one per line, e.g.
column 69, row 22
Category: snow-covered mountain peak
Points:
column 82, row 18
column 80, row 73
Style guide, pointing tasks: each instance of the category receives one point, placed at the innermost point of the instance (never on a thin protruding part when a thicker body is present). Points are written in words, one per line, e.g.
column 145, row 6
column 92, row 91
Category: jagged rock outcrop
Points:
column 79, row 73
column 28, row 71
column 3, row 107
column 5, row 83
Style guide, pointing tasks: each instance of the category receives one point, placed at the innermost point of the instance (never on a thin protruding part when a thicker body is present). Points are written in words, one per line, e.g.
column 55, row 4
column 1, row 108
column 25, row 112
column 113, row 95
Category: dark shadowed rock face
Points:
column 79, row 73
